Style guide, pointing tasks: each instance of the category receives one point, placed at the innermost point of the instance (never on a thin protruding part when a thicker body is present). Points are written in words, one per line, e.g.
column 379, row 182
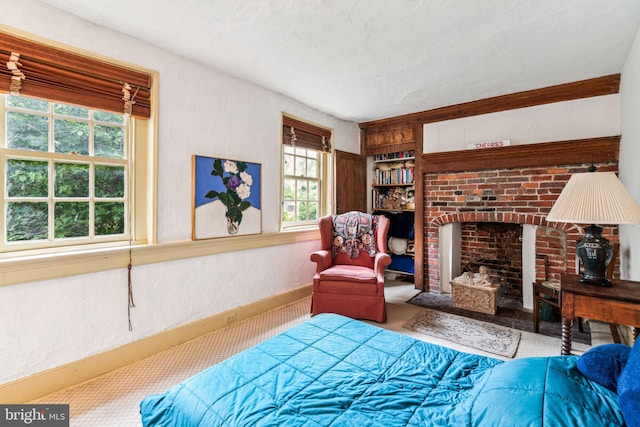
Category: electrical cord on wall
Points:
column 131, row 304
column 128, row 106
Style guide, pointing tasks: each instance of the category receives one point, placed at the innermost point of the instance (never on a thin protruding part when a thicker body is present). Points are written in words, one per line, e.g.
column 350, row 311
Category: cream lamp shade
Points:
column 595, row 198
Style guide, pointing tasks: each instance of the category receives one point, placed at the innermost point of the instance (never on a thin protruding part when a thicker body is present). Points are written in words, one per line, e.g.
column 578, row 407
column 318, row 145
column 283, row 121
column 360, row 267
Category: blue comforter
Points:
column 333, row 370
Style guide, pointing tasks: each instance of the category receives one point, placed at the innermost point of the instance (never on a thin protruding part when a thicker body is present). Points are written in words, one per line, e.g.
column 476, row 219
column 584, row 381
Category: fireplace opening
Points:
column 498, row 247
column 516, row 254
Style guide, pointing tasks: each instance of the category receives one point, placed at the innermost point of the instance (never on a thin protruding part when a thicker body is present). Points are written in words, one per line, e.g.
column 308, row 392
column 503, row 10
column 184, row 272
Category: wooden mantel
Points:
column 544, row 154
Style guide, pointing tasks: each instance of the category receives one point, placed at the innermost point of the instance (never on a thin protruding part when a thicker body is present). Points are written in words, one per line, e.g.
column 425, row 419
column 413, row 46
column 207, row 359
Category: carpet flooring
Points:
column 112, row 399
column 509, row 313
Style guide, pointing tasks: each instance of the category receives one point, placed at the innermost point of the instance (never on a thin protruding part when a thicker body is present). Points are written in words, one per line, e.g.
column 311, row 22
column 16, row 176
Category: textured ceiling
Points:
column 363, row 60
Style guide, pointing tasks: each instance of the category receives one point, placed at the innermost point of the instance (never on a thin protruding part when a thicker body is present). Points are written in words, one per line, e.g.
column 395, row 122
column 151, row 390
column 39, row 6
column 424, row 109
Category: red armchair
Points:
column 349, row 278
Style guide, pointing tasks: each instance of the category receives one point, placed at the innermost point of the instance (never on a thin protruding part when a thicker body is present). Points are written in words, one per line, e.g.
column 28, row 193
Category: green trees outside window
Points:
column 65, row 171
column 301, row 185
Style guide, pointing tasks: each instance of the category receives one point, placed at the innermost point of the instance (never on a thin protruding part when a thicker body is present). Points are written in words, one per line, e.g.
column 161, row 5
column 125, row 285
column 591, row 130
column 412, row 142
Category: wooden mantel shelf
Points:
column 544, row 154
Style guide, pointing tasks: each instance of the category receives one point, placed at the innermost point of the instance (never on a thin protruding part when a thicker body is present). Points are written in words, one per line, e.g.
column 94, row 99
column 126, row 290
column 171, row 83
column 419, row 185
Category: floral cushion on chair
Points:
column 354, row 232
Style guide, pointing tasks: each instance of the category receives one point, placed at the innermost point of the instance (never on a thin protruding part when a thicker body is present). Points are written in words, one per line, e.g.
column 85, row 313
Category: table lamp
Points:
column 595, row 198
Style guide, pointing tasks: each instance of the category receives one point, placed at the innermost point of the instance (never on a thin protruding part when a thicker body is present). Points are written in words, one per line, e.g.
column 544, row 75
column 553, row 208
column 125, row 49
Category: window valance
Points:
column 34, row 69
column 305, row 135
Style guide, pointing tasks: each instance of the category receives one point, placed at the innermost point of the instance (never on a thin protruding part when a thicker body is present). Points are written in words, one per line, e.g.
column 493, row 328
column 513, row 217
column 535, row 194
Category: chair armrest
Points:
column 379, row 263
column 323, row 260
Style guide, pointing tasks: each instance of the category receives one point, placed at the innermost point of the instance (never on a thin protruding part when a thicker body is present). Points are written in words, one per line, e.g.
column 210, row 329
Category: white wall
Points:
column 560, row 121
column 54, row 322
column 630, row 158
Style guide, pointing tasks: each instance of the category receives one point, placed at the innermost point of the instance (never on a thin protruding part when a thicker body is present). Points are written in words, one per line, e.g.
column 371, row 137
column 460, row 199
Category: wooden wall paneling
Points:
column 605, row 85
column 419, row 259
column 544, row 154
column 350, row 182
column 406, row 132
column 383, row 140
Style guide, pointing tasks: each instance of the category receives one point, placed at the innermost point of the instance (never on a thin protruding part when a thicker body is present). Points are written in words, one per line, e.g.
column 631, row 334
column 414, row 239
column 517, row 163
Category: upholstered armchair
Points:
column 349, row 278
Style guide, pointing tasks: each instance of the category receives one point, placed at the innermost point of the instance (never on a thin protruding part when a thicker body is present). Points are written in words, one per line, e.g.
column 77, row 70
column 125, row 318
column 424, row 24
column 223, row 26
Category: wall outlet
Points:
column 230, row 318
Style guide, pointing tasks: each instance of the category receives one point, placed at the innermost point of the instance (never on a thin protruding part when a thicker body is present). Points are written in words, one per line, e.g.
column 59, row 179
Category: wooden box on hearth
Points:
column 482, row 299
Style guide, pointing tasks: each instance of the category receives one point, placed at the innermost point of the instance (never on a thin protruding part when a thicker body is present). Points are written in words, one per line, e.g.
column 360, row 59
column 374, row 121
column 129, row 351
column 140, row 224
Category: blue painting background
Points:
column 206, row 182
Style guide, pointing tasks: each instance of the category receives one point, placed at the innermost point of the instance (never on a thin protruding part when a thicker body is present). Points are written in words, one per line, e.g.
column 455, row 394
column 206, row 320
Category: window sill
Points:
column 299, row 228
column 17, row 269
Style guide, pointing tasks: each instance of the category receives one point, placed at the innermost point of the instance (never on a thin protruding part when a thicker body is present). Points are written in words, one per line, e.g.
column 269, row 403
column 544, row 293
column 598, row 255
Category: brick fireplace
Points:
column 496, row 216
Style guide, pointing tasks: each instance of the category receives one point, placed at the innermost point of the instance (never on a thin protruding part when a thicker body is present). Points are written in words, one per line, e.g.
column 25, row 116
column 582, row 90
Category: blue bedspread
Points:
column 332, row 370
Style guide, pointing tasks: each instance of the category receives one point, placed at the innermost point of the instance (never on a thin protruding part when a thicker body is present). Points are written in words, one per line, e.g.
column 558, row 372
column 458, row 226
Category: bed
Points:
column 332, row 370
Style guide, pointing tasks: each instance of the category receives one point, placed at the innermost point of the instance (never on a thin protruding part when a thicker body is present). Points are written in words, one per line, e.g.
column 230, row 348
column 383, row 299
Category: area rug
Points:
column 509, row 314
column 472, row 333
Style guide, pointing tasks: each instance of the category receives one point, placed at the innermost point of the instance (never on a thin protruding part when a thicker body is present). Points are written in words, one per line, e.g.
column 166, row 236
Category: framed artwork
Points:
column 411, row 247
column 226, row 198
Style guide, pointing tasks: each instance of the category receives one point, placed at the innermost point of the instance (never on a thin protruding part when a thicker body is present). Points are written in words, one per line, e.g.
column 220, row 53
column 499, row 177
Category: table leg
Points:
column 566, row 336
column 536, row 310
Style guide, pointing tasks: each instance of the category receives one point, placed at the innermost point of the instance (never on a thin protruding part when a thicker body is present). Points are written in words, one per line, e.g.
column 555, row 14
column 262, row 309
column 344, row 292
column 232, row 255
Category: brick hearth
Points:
column 522, row 195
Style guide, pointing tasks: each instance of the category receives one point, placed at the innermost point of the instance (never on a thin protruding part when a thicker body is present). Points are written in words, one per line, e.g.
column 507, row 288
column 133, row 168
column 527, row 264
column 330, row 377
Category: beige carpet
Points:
column 113, row 399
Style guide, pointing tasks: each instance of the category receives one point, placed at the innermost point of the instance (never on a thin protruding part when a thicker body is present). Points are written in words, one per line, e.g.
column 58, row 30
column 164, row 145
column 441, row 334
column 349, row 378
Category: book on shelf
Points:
column 394, row 156
column 395, row 176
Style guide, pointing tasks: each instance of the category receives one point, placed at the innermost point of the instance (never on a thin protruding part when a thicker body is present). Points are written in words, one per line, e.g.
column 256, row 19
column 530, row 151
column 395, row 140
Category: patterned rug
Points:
column 509, row 314
column 473, row 333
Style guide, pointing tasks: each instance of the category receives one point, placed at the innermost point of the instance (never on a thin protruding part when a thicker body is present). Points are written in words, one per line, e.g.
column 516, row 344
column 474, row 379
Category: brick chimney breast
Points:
column 522, row 195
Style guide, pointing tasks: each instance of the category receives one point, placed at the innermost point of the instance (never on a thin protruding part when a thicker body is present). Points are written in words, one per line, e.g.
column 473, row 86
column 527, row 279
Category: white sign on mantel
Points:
column 492, row 144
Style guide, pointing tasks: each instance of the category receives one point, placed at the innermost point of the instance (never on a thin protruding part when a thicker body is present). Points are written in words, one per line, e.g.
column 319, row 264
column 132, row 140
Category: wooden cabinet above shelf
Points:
column 378, row 141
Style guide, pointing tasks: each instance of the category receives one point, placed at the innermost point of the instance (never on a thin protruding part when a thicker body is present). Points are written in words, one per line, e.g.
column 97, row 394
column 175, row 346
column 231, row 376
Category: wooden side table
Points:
column 619, row 303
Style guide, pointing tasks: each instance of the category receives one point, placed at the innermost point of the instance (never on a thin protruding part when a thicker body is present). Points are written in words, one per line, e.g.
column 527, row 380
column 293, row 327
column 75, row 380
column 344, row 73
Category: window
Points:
column 301, row 190
column 70, row 127
column 305, row 159
column 65, row 173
